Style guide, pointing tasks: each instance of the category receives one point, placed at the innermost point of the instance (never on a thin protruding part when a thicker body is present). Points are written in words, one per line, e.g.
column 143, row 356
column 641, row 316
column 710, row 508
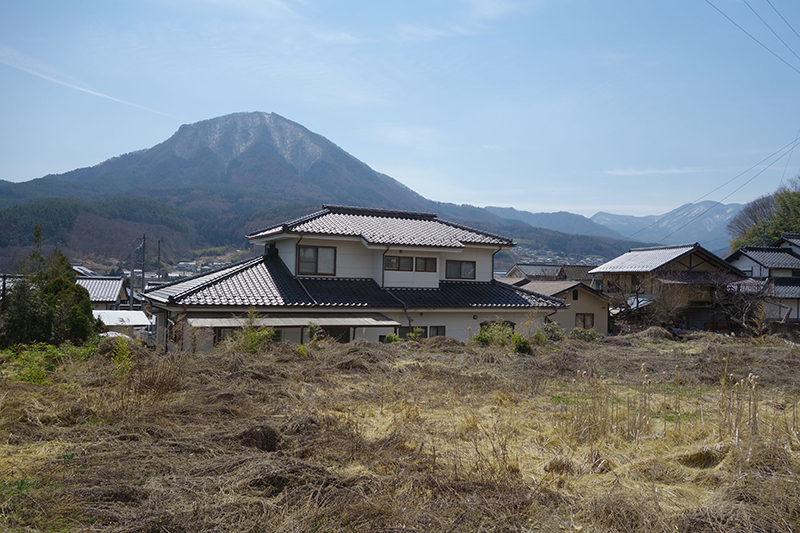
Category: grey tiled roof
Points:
column 469, row 294
column 539, row 270
column 266, row 282
column 258, row 282
column 769, row 257
column 102, row 288
column 645, row 259
column 381, row 226
column 785, row 287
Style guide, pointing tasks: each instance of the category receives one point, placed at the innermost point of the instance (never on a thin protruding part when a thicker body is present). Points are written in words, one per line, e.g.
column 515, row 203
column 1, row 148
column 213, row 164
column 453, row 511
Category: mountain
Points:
column 214, row 181
column 703, row 222
column 561, row 221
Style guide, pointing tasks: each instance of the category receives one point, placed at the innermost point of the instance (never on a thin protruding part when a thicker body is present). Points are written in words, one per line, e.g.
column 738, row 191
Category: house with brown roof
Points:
column 587, row 308
column 357, row 273
column 681, row 277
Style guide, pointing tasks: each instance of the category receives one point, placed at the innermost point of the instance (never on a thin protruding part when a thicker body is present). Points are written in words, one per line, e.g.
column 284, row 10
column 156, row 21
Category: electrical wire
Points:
column 789, row 145
column 782, row 18
column 729, row 194
column 752, row 37
column 770, row 28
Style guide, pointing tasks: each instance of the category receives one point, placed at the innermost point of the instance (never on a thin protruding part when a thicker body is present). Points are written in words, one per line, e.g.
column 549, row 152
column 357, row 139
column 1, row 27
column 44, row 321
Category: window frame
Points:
column 461, row 269
column 399, row 259
column 438, row 329
column 316, row 261
column 425, row 262
column 582, row 323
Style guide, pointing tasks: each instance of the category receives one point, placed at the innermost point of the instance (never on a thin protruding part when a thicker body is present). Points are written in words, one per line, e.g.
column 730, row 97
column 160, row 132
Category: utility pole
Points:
column 144, row 264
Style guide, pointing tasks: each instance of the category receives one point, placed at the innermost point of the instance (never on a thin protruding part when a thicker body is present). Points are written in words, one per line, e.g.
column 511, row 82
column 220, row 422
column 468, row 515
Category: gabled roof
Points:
column 102, row 288
column 265, row 282
column 650, row 259
column 578, row 272
column 542, row 270
column 554, row 288
column 383, row 227
column 768, row 257
column 790, row 238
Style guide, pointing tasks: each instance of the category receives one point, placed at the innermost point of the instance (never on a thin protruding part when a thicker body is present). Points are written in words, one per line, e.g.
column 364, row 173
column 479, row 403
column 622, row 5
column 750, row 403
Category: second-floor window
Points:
column 460, row 269
column 320, row 260
column 392, row 262
column 425, row 264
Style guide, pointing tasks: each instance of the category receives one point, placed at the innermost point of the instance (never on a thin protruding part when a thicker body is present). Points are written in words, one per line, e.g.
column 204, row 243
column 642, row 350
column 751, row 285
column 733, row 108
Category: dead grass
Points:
column 640, row 433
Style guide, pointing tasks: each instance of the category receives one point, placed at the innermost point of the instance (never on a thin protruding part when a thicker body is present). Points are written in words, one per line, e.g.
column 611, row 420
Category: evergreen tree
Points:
column 46, row 304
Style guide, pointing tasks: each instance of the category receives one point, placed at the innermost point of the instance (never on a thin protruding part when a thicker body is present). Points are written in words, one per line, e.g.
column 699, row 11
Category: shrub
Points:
column 585, row 335
column 552, row 332
column 539, row 339
column 122, row 359
column 391, row 338
column 415, row 334
column 502, row 335
column 253, row 340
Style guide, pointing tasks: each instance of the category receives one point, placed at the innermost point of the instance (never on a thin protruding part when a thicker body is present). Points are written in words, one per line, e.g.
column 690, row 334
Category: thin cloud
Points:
column 14, row 59
column 650, row 171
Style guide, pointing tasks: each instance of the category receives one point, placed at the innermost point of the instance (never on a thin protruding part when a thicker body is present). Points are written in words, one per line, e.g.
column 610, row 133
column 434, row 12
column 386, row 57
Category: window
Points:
column 584, row 320
column 316, row 260
column 425, row 264
column 460, row 269
column 403, row 332
column 391, row 262
column 575, row 294
column 795, row 273
column 436, row 331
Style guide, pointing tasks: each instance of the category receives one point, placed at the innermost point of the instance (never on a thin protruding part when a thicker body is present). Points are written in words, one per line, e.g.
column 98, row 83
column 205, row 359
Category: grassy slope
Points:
column 437, row 436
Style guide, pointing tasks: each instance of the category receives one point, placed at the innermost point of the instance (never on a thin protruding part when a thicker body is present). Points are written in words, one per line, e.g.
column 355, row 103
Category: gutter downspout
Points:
column 383, row 266
column 296, row 277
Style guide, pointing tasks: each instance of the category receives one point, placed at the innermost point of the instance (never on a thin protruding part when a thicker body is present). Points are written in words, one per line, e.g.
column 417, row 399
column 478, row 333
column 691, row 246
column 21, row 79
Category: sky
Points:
column 627, row 106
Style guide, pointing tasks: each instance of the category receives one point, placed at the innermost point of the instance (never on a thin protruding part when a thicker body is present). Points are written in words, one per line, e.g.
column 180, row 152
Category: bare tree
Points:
column 755, row 214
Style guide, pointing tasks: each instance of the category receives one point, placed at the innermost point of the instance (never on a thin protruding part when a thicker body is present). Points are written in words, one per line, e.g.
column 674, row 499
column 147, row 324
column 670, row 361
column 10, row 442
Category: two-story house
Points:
column 355, row 272
column 776, row 271
column 682, row 277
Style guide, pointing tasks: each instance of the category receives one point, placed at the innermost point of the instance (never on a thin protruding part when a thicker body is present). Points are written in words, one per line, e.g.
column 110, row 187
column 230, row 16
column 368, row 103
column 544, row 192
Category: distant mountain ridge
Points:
column 703, row 222
column 560, row 221
column 221, row 178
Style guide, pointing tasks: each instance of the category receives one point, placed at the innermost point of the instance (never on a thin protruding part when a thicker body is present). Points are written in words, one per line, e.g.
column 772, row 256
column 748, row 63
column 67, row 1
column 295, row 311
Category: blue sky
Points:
column 628, row 106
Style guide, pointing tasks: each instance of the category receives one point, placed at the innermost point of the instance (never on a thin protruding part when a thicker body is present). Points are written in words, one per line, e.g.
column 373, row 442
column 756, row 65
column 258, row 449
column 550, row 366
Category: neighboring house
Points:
column 356, row 273
column 682, row 277
column 537, row 271
column 587, row 309
column 551, row 272
column 105, row 292
column 121, row 321
column 776, row 271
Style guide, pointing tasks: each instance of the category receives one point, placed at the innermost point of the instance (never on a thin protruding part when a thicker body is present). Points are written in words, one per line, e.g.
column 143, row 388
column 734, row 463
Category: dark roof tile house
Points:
column 360, row 273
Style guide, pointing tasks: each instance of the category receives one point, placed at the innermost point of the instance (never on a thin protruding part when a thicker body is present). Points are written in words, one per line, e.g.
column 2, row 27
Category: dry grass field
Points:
column 633, row 433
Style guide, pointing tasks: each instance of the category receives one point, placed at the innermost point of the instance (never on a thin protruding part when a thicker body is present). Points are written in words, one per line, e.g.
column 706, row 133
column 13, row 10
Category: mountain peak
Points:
column 230, row 136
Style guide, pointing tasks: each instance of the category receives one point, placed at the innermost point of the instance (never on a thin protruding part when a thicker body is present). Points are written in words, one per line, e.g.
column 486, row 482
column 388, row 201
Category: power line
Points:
column 729, row 194
column 782, row 18
column 791, row 144
column 751, row 36
column 770, row 28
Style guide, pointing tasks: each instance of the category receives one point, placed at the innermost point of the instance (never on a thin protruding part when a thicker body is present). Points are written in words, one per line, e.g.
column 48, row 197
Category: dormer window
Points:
column 316, row 260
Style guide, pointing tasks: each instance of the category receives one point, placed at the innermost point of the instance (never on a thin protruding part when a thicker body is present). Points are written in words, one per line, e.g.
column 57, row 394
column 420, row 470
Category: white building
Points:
column 357, row 273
